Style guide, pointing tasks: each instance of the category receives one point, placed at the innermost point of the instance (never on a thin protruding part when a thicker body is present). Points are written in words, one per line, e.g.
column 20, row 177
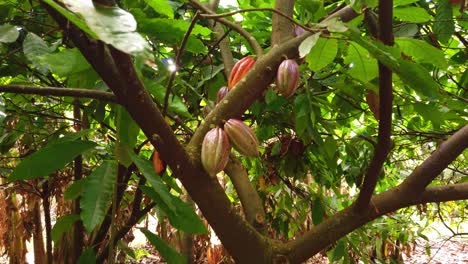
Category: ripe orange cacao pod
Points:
column 215, row 151
column 287, row 78
column 158, row 165
column 239, row 70
column 242, row 138
column 223, row 91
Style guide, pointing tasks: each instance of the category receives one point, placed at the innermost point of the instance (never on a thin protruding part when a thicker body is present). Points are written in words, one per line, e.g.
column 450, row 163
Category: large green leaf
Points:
column 423, row 52
column 307, row 44
column 146, row 168
column 168, row 253
column 183, row 217
column 8, row 33
column 87, row 257
column 176, row 104
column 444, row 23
column 362, row 65
column 33, row 48
column 411, row 73
column 63, row 225
column 170, row 31
column 127, row 133
column 97, row 194
column 418, row 78
column 49, row 159
column 322, row 53
column 72, row 17
column 162, row 7
column 112, row 25
column 75, row 63
column 412, row 14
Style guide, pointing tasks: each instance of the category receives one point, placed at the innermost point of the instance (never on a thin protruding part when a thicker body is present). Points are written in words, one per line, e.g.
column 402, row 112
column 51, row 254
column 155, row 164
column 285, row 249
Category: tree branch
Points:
column 403, row 195
column 253, row 43
column 224, row 45
column 57, row 91
column 248, row 196
column 385, row 110
column 437, row 162
column 282, row 24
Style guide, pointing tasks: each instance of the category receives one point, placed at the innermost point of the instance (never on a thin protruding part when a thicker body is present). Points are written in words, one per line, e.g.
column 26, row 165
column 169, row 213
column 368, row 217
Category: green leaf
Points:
column 339, row 251
column 363, row 66
column 176, row 104
column 34, row 47
column 8, row 33
column 418, row 78
column 146, row 168
column 322, row 54
column 167, row 252
column 63, row 225
column 317, row 211
column 71, row 136
column 49, row 159
column 412, row 14
column 87, row 257
column 307, row 44
column 444, row 25
column 162, row 7
column 183, row 217
column 75, row 62
column 128, row 251
column 403, row 2
column 170, row 31
column 112, row 25
column 74, row 190
column 411, row 73
column 423, row 52
column 127, row 128
column 97, row 194
column 71, row 17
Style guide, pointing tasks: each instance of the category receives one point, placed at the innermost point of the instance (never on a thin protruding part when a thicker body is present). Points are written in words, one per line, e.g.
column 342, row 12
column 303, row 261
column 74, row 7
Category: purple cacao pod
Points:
column 223, row 91
column 287, row 78
column 298, row 30
column 242, row 138
column 215, row 151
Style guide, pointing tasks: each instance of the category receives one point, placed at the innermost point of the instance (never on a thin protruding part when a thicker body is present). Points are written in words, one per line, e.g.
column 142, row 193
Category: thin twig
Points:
column 177, row 61
column 253, row 43
column 57, row 91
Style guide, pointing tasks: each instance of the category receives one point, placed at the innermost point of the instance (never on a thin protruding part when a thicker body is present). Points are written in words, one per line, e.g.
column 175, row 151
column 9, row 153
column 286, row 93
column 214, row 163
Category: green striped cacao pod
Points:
column 242, row 138
column 215, row 151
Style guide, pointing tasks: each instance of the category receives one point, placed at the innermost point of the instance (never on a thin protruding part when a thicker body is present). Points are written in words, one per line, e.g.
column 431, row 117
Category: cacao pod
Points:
column 215, row 151
column 242, row 138
column 373, row 101
column 298, row 30
column 239, row 70
column 287, row 78
column 223, row 91
column 158, row 165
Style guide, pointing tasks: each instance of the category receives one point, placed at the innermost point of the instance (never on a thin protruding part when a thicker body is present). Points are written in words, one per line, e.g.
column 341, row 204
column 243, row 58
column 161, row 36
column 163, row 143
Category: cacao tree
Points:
column 345, row 119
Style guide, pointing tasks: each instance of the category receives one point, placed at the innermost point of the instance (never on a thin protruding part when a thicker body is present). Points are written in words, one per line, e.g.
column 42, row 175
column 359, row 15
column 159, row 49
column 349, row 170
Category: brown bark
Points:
column 39, row 251
column 282, row 28
column 251, row 203
column 385, row 110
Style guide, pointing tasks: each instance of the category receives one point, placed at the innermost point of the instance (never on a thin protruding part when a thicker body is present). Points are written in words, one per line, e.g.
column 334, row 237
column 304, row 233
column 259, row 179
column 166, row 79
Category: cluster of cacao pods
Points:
column 217, row 144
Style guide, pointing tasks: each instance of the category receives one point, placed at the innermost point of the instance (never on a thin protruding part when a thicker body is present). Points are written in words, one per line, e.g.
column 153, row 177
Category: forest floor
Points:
column 443, row 247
